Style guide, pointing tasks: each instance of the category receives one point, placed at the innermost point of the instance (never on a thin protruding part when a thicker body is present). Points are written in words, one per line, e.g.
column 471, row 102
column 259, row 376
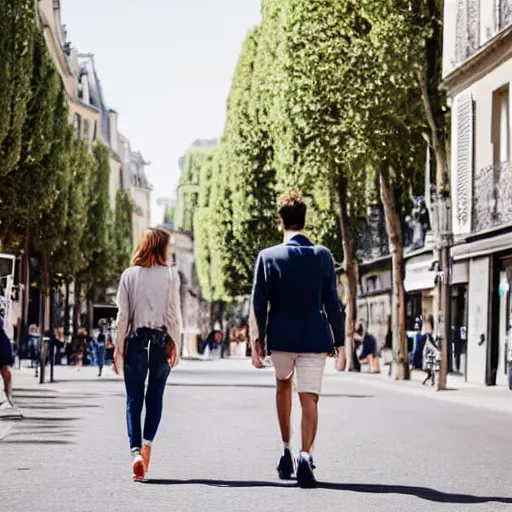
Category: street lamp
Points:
column 441, row 208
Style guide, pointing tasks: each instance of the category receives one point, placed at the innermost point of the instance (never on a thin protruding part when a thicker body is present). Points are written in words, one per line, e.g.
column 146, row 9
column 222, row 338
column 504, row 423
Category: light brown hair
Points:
column 152, row 248
column 292, row 210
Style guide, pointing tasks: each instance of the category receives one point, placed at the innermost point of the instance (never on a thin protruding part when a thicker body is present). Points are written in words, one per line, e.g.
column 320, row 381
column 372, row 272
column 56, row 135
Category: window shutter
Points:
column 462, row 167
column 461, row 44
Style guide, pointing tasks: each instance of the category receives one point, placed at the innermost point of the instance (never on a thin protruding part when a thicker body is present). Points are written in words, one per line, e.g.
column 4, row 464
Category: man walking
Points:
column 295, row 313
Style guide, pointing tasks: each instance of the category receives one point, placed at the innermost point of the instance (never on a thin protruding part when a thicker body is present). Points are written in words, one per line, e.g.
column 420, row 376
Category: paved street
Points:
column 380, row 447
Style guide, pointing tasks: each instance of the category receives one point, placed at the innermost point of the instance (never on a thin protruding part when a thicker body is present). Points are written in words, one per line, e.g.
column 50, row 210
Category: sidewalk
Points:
column 492, row 398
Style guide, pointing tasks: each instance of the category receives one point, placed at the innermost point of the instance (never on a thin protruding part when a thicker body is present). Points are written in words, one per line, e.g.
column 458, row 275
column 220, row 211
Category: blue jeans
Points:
column 145, row 353
column 100, row 357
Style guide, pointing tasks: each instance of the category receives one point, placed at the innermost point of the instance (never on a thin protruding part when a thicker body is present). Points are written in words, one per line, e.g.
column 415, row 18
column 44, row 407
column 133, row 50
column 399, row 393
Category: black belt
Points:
column 148, row 331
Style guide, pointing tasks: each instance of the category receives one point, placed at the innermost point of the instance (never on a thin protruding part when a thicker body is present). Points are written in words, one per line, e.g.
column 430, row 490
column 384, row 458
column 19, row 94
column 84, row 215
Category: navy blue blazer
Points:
column 294, row 298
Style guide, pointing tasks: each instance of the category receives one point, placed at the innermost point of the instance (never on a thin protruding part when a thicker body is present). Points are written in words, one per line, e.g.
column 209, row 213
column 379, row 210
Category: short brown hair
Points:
column 152, row 248
column 292, row 210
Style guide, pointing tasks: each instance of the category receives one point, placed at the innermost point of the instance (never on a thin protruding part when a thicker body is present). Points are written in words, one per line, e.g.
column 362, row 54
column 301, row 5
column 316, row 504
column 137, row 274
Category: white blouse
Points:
column 148, row 297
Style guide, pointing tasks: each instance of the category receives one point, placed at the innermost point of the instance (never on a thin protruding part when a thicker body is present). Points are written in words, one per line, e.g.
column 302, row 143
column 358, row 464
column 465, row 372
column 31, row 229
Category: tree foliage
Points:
column 123, row 231
column 72, row 257
column 31, row 190
column 16, row 68
column 97, row 242
column 188, row 191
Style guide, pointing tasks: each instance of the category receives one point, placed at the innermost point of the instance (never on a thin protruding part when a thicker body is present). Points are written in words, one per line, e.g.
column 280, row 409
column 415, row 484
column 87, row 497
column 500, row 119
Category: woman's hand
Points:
column 172, row 353
column 114, row 362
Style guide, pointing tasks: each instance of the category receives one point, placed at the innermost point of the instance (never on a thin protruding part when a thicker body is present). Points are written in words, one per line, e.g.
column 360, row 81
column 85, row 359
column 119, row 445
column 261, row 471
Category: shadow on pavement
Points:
column 256, row 386
column 36, row 441
column 424, row 493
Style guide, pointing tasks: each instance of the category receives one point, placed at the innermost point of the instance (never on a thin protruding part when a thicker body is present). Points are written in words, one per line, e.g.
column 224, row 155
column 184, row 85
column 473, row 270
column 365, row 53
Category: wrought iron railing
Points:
column 492, row 197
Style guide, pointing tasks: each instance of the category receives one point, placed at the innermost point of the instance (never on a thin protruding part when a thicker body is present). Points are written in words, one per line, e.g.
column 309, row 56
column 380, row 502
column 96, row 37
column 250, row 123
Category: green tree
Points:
column 188, row 190
column 16, row 46
column 31, row 189
column 390, row 131
column 97, row 244
column 203, row 242
column 309, row 129
column 249, row 164
column 123, row 231
column 81, row 170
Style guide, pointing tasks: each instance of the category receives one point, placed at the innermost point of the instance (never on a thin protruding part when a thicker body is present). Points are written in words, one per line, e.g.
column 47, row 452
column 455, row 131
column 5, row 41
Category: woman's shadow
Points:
column 424, row 493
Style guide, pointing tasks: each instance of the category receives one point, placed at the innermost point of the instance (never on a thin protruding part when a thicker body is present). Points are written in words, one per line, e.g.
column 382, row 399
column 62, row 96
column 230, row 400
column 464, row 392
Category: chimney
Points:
column 112, row 127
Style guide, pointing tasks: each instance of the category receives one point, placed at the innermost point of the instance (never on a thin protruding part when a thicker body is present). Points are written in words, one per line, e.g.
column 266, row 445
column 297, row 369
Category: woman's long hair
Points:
column 152, row 248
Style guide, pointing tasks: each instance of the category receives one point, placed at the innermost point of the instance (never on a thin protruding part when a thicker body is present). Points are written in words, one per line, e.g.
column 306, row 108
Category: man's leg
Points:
column 310, row 371
column 309, row 403
column 284, row 407
column 284, row 364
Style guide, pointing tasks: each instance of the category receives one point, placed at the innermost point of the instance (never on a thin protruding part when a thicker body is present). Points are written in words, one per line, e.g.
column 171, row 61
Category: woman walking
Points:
column 147, row 339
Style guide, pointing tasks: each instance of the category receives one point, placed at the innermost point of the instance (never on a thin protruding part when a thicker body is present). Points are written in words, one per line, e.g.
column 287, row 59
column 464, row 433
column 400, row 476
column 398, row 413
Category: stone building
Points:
column 477, row 74
column 138, row 186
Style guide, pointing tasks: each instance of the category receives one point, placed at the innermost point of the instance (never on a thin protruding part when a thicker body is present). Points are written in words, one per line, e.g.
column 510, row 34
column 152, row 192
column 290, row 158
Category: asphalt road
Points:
column 378, row 449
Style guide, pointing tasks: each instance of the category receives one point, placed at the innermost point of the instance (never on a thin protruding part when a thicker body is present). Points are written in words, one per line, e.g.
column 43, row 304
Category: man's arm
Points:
column 259, row 304
column 335, row 314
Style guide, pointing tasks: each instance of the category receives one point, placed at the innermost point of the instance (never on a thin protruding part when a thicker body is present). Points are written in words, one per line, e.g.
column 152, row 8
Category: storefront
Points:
column 504, row 325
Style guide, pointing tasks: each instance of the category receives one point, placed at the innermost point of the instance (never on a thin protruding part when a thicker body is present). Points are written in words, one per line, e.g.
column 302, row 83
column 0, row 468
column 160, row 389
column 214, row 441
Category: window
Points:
column 501, row 125
column 85, row 133
column 77, row 121
column 372, row 284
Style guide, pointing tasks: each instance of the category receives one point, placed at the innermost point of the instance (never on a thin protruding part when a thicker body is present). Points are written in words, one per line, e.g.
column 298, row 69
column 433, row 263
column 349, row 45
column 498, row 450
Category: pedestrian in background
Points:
column 416, row 359
column 369, row 352
column 431, row 352
column 148, row 339
column 100, row 346
column 79, row 348
column 6, row 356
column 34, row 347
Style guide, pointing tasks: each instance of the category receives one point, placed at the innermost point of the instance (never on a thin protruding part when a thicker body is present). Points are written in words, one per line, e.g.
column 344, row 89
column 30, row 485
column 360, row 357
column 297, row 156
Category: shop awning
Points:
column 419, row 276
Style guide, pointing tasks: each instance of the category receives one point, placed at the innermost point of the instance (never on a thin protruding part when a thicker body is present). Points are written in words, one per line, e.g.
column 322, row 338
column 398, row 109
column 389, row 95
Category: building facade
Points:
column 477, row 74
column 135, row 181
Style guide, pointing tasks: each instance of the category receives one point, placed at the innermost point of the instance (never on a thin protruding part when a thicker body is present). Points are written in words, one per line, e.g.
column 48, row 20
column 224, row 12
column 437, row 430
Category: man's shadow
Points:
column 424, row 493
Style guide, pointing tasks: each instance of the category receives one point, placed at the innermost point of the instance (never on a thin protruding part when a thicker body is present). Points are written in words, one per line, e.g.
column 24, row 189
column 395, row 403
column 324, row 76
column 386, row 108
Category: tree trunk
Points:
column 394, row 229
column 66, row 308
column 25, row 297
column 77, row 307
column 433, row 97
column 43, row 325
column 438, row 138
column 90, row 310
column 350, row 267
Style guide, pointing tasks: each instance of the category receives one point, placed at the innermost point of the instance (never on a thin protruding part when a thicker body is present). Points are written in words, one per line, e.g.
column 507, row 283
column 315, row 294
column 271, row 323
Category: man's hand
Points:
column 341, row 359
column 258, row 355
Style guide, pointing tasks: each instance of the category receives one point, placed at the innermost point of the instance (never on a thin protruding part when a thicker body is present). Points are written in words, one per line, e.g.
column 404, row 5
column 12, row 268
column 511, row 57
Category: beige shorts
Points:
column 309, row 369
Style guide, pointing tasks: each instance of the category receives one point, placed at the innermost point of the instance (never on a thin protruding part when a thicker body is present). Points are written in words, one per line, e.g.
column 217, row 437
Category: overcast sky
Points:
column 166, row 67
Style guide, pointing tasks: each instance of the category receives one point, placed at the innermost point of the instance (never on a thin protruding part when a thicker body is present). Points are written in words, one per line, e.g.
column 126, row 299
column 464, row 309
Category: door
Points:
column 458, row 347
column 478, row 314
column 505, row 321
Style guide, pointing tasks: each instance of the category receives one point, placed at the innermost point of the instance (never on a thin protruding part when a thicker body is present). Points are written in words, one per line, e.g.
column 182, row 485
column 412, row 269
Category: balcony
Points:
column 492, row 198
column 372, row 241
